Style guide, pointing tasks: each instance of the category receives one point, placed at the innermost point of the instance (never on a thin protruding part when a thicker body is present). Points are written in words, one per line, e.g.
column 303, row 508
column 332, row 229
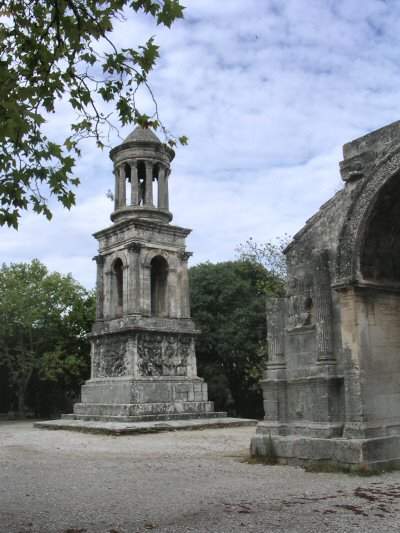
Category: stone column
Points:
column 134, row 278
column 166, row 194
column 122, row 186
column 134, row 183
column 116, row 186
column 184, row 310
column 323, row 306
column 149, row 183
column 162, row 182
column 117, row 195
column 99, row 287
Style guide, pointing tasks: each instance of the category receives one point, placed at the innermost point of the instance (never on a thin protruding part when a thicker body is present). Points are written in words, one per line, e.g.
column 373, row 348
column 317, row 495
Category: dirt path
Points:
column 187, row 481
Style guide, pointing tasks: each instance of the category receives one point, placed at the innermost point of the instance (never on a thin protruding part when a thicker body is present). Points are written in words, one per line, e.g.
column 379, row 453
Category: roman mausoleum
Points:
column 332, row 381
column 143, row 340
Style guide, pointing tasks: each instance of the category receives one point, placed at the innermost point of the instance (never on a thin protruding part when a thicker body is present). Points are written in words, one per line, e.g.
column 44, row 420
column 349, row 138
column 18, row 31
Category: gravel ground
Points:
column 186, row 481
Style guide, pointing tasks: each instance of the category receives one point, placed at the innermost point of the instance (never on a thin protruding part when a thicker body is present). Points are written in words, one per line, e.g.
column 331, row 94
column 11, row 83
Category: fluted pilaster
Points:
column 323, row 306
column 275, row 330
column 99, row 287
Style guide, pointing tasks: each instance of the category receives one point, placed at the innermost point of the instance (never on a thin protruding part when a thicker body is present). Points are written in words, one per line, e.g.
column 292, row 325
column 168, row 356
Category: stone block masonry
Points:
column 332, row 381
column 143, row 360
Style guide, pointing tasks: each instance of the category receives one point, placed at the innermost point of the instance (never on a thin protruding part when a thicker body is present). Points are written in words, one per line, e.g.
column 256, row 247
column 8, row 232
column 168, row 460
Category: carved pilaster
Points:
column 300, row 303
column 134, row 277
column 323, row 306
column 184, row 291
column 275, row 330
column 99, row 287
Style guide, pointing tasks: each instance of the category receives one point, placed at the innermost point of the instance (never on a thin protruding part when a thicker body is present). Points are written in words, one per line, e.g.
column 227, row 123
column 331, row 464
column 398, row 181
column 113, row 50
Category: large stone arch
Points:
column 355, row 228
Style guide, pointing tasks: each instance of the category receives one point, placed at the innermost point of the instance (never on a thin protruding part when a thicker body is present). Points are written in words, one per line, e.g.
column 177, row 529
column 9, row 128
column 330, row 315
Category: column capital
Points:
column 184, row 256
column 119, row 166
column 99, row 259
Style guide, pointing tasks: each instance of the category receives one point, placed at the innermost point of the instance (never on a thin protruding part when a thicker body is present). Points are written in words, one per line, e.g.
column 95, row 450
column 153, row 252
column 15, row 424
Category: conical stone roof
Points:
column 140, row 134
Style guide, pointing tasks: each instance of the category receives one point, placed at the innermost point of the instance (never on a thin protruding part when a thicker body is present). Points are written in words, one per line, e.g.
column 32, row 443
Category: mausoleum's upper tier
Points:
column 141, row 168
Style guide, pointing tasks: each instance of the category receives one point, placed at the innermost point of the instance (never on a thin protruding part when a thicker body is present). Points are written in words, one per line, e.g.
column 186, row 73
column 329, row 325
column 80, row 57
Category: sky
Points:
column 267, row 91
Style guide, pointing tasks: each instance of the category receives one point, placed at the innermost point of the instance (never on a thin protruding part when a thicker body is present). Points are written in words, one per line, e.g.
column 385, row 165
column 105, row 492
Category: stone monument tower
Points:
column 143, row 351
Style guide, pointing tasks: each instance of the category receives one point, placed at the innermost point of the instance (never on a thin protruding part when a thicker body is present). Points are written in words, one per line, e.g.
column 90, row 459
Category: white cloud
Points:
column 267, row 92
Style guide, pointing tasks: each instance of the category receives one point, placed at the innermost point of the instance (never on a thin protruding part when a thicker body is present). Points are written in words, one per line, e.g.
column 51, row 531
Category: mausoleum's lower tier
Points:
column 135, row 399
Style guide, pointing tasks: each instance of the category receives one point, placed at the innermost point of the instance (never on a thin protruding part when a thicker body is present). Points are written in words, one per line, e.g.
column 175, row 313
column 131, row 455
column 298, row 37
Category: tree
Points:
column 229, row 308
column 53, row 50
column 44, row 319
column 270, row 255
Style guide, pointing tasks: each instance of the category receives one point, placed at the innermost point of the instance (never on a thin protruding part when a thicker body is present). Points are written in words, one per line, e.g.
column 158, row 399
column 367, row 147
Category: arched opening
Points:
column 141, row 169
column 159, row 277
column 117, row 288
column 380, row 253
column 375, row 309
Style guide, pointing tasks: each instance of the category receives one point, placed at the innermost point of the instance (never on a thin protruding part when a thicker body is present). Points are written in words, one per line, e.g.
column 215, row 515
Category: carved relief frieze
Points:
column 172, row 361
column 110, row 357
column 300, row 303
column 149, row 347
column 276, row 308
column 163, row 355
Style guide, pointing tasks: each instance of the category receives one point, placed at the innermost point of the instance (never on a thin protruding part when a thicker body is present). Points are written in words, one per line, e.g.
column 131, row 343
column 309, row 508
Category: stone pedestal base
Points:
column 140, row 399
column 353, row 454
column 148, row 426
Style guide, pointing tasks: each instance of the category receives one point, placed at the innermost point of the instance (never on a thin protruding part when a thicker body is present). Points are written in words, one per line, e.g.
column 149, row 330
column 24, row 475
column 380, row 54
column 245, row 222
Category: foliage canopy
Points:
column 44, row 318
column 62, row 50
column 229, row 308
column 268, row 254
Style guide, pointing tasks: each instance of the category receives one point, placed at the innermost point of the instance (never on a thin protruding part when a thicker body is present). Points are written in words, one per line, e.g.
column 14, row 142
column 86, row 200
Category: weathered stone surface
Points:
column 130, row 427
column 143, row 340
column 335, row 394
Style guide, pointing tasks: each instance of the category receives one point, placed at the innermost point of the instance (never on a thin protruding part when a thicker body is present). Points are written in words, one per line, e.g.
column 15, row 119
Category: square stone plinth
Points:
column 154, row 426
